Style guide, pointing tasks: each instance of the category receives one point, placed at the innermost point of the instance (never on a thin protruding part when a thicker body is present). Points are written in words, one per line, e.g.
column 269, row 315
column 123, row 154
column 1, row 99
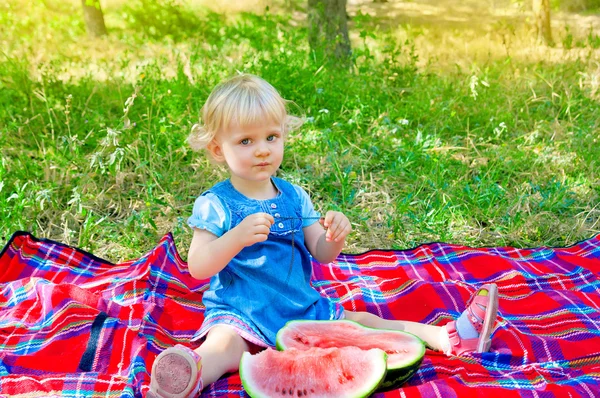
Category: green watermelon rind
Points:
column 378, row 379
column 396, row 376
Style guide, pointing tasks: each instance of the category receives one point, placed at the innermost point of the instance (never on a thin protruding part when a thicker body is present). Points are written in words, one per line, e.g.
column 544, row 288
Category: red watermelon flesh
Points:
column 405, row 351
column 399, row 346
column 347, row 372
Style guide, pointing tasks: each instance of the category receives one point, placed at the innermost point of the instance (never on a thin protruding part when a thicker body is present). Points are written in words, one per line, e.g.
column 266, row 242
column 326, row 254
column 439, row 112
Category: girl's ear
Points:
column 215, row 150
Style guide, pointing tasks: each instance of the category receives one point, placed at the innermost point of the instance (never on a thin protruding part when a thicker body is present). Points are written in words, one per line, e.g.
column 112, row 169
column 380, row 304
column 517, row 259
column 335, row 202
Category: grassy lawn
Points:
column 453, row 126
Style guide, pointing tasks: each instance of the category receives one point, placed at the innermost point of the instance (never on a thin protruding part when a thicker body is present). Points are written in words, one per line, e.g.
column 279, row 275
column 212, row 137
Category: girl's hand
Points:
column 254, row 228
column 337, row 225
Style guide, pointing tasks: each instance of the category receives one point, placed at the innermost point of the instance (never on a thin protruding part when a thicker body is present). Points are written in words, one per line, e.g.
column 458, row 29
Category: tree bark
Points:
column 94, row 19
column 541, row 13
column 328, row 31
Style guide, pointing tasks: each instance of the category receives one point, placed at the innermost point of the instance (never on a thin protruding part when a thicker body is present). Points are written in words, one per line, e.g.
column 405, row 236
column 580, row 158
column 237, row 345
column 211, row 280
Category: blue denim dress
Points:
column 266, row 284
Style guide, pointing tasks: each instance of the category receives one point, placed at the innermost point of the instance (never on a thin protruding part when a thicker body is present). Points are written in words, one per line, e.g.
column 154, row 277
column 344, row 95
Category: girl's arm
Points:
column 209, row 254
column 326, row 245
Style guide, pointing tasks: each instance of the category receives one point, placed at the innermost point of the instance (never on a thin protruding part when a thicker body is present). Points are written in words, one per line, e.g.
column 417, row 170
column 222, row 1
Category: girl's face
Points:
column 253, row 153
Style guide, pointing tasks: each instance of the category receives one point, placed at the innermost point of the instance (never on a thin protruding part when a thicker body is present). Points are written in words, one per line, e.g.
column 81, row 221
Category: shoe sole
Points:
column 485, row 342
column 157, row 391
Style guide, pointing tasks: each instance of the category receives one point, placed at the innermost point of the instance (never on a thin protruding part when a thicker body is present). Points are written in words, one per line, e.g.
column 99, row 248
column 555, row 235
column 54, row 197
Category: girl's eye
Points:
column 245, row 141
column 271, row 137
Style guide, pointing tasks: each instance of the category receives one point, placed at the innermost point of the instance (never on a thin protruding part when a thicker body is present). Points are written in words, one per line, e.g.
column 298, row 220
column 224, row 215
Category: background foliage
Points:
column 452, row 126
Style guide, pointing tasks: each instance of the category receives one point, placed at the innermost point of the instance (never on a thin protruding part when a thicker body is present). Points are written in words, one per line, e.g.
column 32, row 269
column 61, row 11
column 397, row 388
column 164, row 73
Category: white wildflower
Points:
column 473, row 83
column 312, row 136
column 396, row 142
column 532, row 137
column 96, row 160
column 419, row 137
column 42, row 196
column 111, row 138
column 129, row 102
column 500, row 129
column 75, row 200
column 116, row 156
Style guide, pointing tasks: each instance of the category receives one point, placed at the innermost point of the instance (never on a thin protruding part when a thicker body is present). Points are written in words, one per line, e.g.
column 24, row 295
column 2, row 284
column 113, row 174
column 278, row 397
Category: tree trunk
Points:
column 328, row 31
column 94, row 20
column 541, row 13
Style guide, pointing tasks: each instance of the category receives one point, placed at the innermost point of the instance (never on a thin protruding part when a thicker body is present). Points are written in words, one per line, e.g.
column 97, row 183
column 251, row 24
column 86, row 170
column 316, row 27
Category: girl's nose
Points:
column 262, row 150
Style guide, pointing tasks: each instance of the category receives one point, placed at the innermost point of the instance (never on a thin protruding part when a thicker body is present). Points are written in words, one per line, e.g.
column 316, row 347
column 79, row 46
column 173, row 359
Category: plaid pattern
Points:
column 72, row 324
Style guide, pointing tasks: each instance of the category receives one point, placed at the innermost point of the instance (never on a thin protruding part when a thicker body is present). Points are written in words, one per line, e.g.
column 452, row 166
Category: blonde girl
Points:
column 254, row 236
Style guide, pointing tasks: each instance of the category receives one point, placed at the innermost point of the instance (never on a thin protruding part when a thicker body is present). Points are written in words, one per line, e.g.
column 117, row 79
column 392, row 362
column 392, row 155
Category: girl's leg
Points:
column 430, row 334
column 469, row 333
column 179, row 372
column 221, row 353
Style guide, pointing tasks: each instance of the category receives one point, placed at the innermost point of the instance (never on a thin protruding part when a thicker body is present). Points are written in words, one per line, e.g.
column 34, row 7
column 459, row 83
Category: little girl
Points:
column 254, row 235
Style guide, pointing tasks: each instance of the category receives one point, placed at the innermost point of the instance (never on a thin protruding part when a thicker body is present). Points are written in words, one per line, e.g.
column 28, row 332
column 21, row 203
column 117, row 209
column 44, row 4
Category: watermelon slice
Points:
column 405, row 351
column 316, row 372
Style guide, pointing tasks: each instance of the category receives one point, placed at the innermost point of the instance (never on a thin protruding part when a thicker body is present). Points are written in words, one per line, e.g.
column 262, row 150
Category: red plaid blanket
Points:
column 72, row 324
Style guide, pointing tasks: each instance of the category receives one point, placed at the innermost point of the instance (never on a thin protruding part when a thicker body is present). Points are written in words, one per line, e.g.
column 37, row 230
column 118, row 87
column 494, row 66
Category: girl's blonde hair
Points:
column 241, row 100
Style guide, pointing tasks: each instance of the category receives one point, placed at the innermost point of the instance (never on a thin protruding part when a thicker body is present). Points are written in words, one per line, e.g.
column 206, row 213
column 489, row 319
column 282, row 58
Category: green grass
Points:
column 502, row 151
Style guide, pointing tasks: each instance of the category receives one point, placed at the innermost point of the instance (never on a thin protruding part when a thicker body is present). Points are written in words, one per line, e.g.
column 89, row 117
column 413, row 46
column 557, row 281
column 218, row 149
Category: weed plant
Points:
column 413, row 148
